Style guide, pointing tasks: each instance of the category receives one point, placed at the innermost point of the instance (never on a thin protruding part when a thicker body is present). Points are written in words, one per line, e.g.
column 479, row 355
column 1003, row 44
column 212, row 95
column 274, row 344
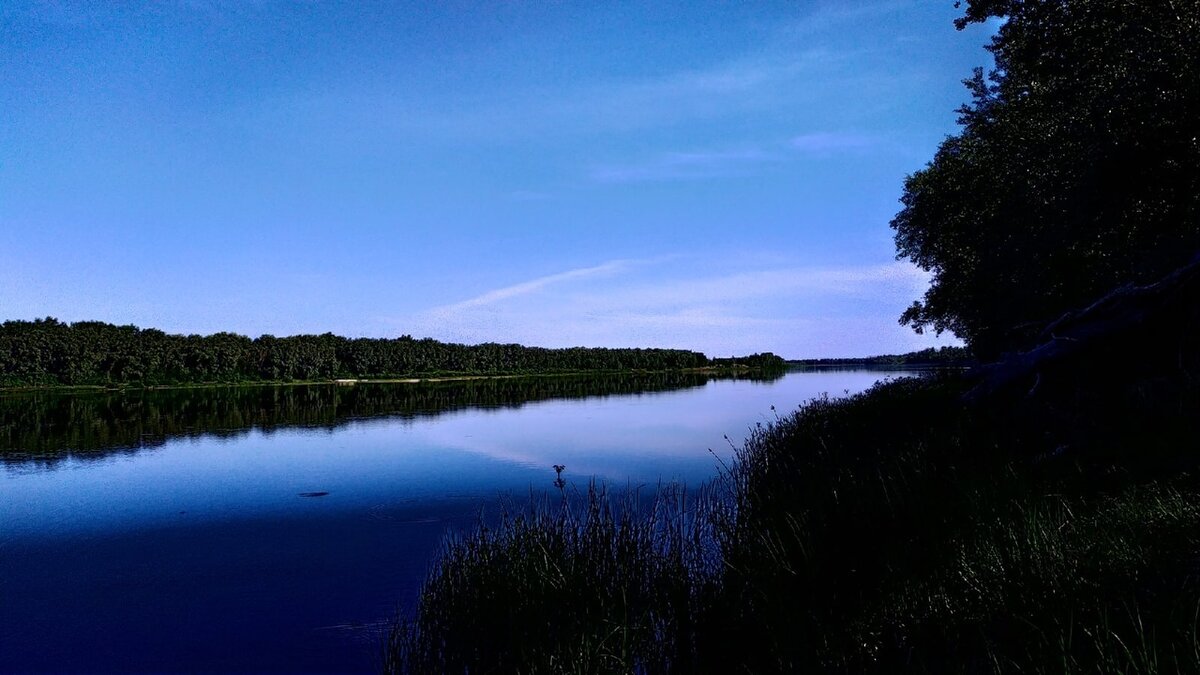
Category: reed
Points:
column 569, row 583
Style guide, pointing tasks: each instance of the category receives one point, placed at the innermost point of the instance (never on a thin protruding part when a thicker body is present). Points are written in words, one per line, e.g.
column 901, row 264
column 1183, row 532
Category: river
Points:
column 279, row 529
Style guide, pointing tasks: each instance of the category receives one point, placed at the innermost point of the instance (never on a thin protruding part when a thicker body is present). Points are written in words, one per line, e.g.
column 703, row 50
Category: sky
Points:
column 712, row 176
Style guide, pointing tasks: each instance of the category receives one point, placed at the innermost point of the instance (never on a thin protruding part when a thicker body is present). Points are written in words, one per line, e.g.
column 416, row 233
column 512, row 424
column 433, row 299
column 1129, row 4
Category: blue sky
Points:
column 711, row 176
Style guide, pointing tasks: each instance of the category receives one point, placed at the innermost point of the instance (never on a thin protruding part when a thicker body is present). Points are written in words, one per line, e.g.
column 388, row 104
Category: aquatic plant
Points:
column 598, row 583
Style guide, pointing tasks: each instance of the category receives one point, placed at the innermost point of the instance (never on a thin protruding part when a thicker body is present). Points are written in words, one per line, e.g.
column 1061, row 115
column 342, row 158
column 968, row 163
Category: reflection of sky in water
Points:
column 636, row 439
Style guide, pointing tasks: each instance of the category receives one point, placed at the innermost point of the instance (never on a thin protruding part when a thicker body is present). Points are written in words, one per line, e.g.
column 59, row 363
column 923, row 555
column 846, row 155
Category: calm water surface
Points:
column 171, row 531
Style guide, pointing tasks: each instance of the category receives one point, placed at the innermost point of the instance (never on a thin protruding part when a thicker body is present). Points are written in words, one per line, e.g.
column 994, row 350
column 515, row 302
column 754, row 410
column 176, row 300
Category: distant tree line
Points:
column 764, row 361
column 932, row 356
column 48, row 352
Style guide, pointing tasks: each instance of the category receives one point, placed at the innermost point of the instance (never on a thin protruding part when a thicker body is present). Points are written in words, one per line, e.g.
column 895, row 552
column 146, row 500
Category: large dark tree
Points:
column 1076, row 170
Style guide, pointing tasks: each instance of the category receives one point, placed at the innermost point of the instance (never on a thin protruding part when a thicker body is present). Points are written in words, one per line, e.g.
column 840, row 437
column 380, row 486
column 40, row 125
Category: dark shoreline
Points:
column 397, row 379
column 871, row 365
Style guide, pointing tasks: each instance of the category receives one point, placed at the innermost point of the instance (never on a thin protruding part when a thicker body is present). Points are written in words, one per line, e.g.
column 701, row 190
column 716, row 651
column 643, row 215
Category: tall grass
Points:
column 899, row 530
column 571, row 583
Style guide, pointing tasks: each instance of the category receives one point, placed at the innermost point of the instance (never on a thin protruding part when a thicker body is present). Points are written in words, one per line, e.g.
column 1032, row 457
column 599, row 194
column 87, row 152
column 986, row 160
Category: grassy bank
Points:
column 900, row 530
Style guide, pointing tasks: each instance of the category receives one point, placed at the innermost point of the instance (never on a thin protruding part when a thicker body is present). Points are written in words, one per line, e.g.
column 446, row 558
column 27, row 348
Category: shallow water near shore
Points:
column 277, row 529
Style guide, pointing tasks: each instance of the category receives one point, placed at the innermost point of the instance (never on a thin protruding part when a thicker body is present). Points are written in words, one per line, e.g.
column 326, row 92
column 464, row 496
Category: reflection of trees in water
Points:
column 46, row 427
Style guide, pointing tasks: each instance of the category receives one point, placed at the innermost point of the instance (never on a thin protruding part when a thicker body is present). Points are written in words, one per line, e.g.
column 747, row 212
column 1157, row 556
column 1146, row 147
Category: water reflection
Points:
column 47, row 427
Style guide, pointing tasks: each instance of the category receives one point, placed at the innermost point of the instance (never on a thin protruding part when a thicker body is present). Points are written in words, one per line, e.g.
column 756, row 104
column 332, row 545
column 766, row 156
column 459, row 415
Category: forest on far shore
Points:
column 930, row 356
column 47, row 352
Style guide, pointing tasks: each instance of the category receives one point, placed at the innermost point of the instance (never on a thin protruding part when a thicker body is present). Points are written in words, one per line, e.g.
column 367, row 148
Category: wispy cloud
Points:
column 684, row 166
column 827, row 143
column 534, row 285
column 795, row 310
column 722, row 163
column 737, row 85
column 813, row 282
column 761, row 82
column 843, row 16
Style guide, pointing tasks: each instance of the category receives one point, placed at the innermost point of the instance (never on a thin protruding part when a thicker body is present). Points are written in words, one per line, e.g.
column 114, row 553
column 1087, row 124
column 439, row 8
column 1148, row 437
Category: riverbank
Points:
column 913, row 528
column 416, row 379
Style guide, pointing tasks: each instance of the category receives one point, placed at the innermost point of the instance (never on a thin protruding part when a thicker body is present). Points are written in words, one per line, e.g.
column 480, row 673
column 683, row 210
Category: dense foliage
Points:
column 1077, row 168
column 50, row 352
column 765, row 361
column 907, row 531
